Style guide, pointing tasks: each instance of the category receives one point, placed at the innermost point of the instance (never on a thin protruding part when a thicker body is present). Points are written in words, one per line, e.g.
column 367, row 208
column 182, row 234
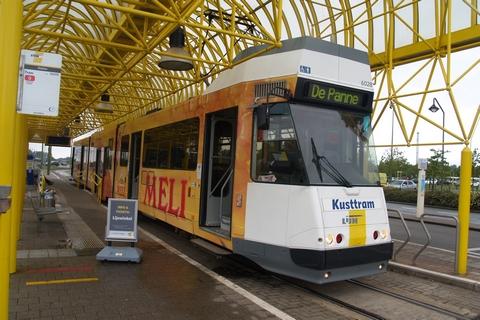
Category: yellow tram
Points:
column 272, row 162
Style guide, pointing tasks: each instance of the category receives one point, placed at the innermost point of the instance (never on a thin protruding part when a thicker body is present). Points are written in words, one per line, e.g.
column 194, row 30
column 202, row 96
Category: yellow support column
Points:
column 24, row 174
column 464, row 209
column 10, row 41
column 19, row 166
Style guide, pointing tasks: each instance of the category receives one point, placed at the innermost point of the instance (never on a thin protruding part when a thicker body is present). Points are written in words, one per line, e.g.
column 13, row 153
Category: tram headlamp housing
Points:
column 5, row 201
column 383, row 234
column 329, row 239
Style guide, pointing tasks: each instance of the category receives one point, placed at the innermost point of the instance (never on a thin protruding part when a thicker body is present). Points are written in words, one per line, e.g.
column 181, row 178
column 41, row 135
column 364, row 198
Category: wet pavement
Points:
column 178, row 280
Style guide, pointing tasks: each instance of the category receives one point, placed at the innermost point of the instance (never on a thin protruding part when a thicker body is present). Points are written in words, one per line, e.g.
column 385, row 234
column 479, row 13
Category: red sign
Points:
column 29, row 77
column 159, row 193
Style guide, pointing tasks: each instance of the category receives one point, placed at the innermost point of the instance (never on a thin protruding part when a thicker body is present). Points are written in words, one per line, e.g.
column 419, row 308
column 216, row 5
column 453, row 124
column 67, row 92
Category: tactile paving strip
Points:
column 84, row 240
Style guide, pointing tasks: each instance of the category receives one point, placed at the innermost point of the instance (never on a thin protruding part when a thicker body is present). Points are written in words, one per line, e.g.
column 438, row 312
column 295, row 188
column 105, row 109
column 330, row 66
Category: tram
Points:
column 272, row 162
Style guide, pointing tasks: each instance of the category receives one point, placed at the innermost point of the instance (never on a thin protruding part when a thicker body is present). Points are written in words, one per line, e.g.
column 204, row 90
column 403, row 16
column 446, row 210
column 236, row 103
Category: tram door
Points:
column 218, row 170
column 134, row 165
column 98, row 168
column 81, row 176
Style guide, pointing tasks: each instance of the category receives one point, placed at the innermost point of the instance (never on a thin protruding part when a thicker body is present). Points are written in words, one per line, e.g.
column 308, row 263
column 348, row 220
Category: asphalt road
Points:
column 442, row 236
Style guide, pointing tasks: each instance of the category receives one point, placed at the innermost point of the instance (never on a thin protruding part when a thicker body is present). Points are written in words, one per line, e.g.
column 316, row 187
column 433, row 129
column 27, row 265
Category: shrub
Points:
column 438, row 198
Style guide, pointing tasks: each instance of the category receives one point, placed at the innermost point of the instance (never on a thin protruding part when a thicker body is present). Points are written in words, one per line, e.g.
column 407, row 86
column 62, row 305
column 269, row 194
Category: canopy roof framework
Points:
column 114, row 46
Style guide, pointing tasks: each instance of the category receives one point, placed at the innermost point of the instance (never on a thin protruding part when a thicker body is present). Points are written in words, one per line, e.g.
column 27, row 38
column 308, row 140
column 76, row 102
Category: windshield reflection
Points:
column 342, row 138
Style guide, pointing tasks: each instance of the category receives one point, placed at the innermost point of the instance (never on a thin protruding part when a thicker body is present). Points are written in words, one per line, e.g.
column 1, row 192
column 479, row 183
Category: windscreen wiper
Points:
column 316, row 160
column 330, row 170
column 341, row 179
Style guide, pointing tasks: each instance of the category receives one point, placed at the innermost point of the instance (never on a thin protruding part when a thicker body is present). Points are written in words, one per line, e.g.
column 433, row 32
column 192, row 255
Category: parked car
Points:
column 475, row 182
column 403, row 184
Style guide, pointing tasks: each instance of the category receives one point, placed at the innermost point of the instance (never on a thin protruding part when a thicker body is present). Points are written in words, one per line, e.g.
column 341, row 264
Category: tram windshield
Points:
column 308, row 144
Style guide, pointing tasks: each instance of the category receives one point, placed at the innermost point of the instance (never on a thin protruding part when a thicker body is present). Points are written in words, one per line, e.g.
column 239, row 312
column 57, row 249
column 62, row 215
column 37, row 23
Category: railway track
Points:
column 315, row 289
column 369, row 314
column 336, row 301
column 412, row 301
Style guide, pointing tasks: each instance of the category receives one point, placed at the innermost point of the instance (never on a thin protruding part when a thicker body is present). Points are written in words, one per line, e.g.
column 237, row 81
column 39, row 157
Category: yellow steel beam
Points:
column 460, row 40
column 10, row 41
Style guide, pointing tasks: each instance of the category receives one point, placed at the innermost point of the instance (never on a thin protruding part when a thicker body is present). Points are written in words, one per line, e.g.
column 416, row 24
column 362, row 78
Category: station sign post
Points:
column 121, row 227
column 39, row 83
column 422, row 167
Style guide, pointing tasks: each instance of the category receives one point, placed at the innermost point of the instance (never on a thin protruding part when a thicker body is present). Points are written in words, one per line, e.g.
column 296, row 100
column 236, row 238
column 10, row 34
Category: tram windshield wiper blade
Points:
column 335, row 174
column 329, row 169
column 316, row 160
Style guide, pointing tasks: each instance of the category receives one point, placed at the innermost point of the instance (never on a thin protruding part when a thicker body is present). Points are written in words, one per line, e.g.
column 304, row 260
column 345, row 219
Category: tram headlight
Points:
column 383, row 234
column 329, row 239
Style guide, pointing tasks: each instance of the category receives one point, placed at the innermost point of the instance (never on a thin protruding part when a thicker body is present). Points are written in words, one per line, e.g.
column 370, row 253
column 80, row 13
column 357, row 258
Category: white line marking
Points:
column 471, row 255
column 474, row 249
column 409, row 209
column 261, row 303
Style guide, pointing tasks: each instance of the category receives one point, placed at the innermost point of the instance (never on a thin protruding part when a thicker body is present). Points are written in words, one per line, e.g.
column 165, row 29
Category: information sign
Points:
column 39, row 83
column 333, row 95
column 122, row 220
column 330, row 94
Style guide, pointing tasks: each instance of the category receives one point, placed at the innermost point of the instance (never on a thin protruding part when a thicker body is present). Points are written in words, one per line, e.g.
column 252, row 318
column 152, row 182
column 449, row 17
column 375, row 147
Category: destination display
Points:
column 122, row 220
column 333, row 95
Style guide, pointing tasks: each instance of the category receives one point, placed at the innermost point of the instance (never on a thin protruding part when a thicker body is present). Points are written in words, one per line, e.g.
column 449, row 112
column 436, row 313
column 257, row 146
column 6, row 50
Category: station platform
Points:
column 436, row 264
column 58, row 276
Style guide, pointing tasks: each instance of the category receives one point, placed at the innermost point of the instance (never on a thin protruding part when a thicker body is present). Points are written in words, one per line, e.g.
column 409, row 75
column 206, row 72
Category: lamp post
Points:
column 433, row 108
column 391, row 143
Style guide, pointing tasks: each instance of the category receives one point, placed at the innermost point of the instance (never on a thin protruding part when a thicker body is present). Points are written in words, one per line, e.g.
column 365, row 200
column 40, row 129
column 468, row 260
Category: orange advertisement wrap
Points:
column 174, row 196
column 171, row 196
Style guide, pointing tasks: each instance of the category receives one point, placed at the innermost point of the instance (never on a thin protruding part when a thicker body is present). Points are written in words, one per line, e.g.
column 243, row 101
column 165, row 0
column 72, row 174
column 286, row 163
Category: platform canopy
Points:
column 113, row 47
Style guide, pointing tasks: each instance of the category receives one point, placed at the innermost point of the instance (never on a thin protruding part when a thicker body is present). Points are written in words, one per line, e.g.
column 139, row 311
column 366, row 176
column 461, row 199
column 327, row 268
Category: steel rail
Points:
column 410, row 300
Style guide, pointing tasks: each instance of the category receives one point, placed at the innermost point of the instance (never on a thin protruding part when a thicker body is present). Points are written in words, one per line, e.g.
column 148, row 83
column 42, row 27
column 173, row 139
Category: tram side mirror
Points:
column 263, row 116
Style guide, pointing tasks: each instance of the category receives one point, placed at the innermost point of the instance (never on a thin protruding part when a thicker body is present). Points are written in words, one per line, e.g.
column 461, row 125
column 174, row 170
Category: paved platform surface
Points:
column 437, row 264
column 190, row 284
column 57, row 283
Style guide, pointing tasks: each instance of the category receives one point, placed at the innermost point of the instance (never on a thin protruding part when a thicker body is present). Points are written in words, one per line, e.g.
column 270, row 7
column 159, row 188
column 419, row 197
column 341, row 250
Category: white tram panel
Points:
column 283, row 215
column 279, row 63
column 376, row 218
column 297, row 216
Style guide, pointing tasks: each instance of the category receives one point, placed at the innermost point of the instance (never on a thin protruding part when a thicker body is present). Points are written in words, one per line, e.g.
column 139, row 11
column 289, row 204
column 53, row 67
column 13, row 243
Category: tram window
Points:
column 277, row 158
column 173, row 146
column 124, row 151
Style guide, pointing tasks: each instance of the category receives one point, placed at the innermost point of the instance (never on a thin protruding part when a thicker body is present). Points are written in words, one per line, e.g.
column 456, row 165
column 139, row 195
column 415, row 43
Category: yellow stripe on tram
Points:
column 63, row 281
column 358, row 228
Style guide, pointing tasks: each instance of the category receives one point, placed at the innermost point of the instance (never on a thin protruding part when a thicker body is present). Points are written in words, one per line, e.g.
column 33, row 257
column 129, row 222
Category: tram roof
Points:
column 114, row 45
